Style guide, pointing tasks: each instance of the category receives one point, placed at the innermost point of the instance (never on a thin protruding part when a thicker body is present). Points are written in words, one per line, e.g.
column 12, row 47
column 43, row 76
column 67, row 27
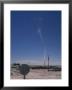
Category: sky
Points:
column 35, row 35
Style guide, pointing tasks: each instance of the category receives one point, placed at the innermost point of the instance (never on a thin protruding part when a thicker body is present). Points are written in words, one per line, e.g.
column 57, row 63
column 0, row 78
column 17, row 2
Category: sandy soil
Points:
column 37, row 74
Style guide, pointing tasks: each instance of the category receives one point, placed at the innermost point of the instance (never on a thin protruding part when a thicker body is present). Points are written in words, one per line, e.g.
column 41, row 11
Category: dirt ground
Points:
column 37, row 74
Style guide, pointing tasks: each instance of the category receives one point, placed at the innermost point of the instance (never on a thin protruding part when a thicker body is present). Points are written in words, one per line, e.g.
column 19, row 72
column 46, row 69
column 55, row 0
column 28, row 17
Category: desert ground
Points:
column 36, row 74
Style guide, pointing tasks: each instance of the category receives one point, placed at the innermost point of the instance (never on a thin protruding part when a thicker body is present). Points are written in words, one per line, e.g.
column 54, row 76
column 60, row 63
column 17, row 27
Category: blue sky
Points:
column 35, row 35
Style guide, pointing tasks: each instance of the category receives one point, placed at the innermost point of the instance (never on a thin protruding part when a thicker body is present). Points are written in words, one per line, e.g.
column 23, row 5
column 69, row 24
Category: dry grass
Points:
column 37, row 74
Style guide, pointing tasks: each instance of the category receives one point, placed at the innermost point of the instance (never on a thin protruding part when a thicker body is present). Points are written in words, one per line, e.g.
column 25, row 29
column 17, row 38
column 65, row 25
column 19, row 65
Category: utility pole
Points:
column 48, row 63
column 44, row 63
column 24, row 77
